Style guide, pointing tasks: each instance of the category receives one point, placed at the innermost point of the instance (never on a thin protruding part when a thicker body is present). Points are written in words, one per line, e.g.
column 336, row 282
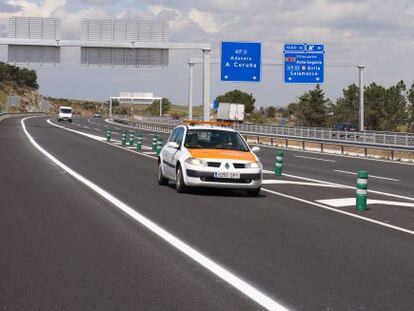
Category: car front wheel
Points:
column 179, row 181
column 160, row 176
column 253, row 192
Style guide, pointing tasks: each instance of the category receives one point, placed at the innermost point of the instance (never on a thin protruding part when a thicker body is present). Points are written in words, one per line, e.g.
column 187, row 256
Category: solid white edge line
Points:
column 317, row 159
column 299, row 199
column 345, row 186
column 370, row 176
column 340, row 211
column 224, row 274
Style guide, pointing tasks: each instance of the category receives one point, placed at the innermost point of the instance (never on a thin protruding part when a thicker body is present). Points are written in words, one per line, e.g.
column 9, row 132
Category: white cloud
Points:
column 369, row 31
column 204, row 20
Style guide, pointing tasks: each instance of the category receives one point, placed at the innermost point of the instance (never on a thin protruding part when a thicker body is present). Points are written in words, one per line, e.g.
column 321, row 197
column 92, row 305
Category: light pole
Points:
column 206, row 84
column 190, row 91
column 110, row 108
column 361, row 98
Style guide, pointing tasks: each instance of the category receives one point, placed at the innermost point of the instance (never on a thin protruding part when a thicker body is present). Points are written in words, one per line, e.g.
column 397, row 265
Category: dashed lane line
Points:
column 224, row 274
column 370, row 176
column 317, row 159
column 274, row 192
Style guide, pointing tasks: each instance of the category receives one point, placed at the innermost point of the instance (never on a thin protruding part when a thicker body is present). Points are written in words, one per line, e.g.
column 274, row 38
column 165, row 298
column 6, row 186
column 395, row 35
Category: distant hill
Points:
column 16, row 81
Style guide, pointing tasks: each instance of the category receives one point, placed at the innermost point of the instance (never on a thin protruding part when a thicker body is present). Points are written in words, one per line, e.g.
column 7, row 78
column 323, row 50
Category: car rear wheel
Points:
column 179, row 181
column 160, row 176
column 253, row 192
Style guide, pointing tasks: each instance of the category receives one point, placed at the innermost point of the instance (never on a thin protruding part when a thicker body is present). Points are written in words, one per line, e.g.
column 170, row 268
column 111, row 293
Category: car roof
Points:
column 210, row 127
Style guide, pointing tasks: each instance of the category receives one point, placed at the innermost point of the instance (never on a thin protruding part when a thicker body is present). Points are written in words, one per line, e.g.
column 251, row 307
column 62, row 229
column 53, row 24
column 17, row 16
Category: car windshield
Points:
column 215, row 139
column 65, row 110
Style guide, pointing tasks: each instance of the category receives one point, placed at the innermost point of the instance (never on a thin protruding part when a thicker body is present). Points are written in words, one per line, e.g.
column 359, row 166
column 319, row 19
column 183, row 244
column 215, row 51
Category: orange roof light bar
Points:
column 212, row 123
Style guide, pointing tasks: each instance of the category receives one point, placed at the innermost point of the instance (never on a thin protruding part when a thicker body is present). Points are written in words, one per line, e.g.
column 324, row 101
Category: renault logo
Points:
column 227, row 166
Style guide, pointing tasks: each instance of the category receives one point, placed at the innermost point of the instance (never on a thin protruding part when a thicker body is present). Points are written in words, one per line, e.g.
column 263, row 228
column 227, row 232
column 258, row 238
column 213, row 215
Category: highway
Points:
column 68, row 245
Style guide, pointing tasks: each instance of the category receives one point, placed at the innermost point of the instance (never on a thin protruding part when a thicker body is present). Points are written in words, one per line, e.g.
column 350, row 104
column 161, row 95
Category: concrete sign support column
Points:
column 206, row 84
column 161, row 107
column 361, row 98
column 110, row 108
column 190, row 91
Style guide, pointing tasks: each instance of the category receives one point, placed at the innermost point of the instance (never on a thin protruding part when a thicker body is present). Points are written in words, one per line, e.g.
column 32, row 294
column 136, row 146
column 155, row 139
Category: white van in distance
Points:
column 65, row 114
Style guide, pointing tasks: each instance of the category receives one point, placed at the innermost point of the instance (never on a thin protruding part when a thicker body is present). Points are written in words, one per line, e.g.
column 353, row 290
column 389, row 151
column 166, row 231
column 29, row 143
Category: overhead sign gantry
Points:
column 104, row 43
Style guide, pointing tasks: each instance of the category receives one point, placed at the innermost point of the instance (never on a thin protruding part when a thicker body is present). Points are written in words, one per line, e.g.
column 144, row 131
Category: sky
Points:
column 376, row 33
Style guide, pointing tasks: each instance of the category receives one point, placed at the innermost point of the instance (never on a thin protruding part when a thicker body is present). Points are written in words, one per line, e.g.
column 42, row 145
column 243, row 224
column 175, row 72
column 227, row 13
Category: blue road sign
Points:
column 240, row 61
column 304, row 63
column 214, row 105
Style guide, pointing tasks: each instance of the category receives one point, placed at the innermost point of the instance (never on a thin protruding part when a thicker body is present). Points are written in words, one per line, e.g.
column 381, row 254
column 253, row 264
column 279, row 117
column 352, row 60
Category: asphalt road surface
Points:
column 65, row 247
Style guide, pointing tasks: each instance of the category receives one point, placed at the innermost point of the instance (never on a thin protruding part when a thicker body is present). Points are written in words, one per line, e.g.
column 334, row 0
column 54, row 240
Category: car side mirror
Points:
column 255, row 149
column 173, row 144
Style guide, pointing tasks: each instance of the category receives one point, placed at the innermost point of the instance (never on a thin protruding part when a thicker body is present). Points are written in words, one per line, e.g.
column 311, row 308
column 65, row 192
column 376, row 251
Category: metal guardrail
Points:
column 374, row 139
column 383, row 140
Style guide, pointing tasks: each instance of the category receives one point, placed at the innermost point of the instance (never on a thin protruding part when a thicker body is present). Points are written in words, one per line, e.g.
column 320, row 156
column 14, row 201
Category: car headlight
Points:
column 255, row 164
column 196, row 162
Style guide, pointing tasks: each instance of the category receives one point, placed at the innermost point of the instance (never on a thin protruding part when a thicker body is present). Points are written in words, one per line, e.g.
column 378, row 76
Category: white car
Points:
column 207, row 155
column 65, row 114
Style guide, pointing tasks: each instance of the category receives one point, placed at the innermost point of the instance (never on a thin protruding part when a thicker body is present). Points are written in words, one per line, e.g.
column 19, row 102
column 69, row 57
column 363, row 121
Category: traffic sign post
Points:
column 241, row 61
column 304, row 63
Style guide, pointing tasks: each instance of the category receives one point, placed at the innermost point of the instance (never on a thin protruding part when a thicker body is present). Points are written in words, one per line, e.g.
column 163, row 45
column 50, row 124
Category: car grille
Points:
column 239, row 165
column 213, row 164
column 217, row 164
column 227, row 180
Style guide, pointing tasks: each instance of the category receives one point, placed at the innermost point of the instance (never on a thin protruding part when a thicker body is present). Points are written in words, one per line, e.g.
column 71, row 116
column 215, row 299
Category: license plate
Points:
column 227, row 175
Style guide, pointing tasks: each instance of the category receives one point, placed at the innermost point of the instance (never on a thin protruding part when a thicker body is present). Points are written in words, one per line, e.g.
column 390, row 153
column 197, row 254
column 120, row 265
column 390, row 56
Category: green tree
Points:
column 374, row 98
column 385, row 109
column 239, row 97
column 346, row 108
column 154, row 108
column 313, row 108
column 292, row 108
column 270, row 112
column 395, row 108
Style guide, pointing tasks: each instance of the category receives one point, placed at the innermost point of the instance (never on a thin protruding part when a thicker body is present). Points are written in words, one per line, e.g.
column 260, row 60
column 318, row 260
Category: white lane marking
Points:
column 221, row 272
column 317, row 159
column 75, row 131
column 89, row 120
column 77, row 124
column 102, row 140
column 301, row 183
column 285, row 195
column 340, row 211
column 96, row 129
column 149, row 152
column 344, row 186
column 370, row 176
column 136, row 128
column 346, row 202
column 85, row 126
column 339, row 155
